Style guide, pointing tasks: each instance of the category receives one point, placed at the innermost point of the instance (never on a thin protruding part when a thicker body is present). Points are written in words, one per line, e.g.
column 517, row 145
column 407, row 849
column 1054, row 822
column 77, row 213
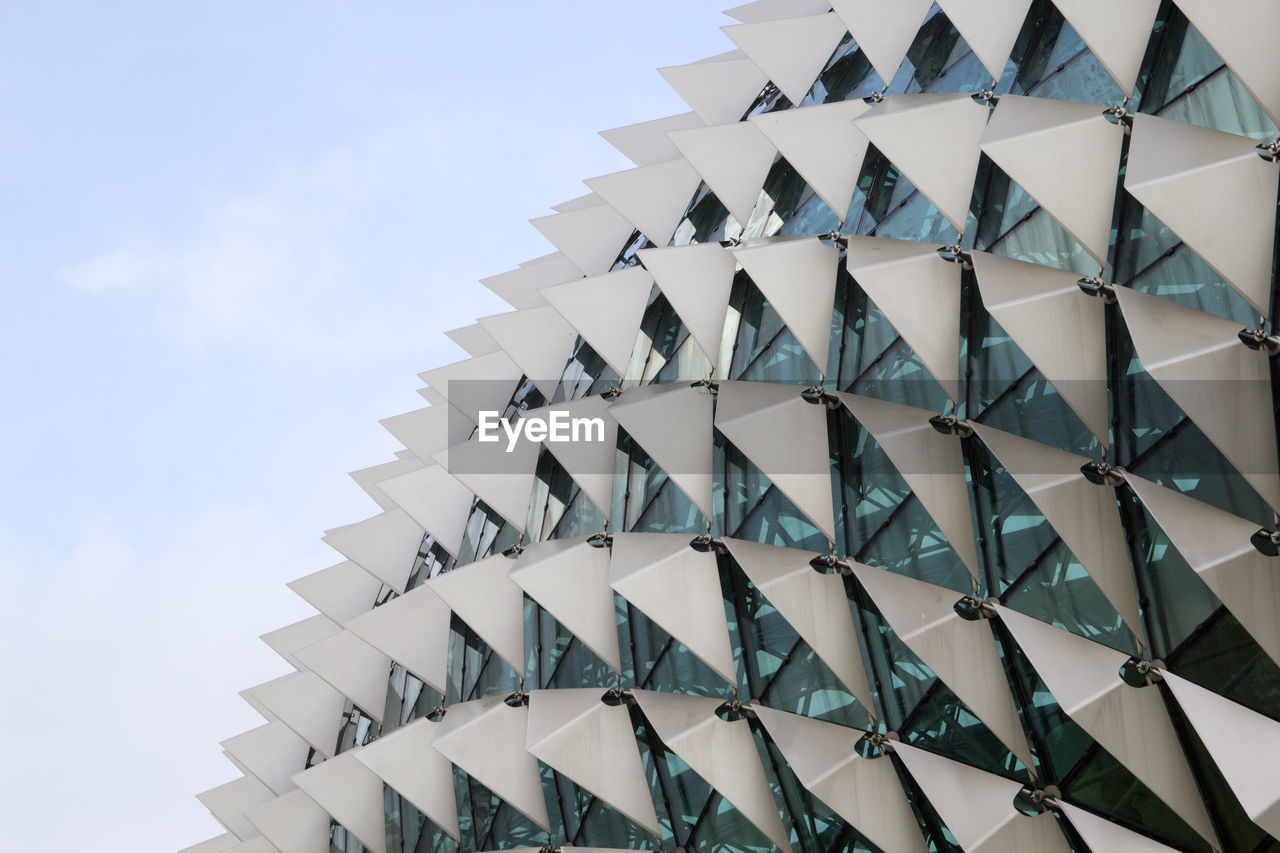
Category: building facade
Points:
column 927, row 486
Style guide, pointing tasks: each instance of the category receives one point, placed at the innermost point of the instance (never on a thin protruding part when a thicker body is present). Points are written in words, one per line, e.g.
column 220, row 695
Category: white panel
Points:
column 721, row 752
column 963, row 654
column 352, row 794
column 753, row 414
column 538, row 340
column 1243, row 743
column 436, row 500
column 285, row 641
column 368, row 478
column 589, row 461
column 989, row 27
column 1084, row 515
column 606, row 310
column 307, row 704
column 1219, row 383
column 646, row 143
column 791, row 51
column 570, row 580
column 813, row 603
column 582, row 202
column 1079, row 190
column 413, row 630
column 865, row 792
column 901, row 276
column 591, row 238
column 1216, row 545
column 1214, row 191
column 883, row 29
column 592, row 743
column 294, row 823
column 477, row 384
column 733, row 159
column 226, row 841
column 697, row 280
column 933, row 139
column 1131, row 723
column 490, row 603
column 1101, row 834
column 823, row 146
column 1233, row 28
column 652, row 198
column 272, row 753
column 499, row 473
column 340, row 592
column 384, row 546
column 931, row 463
column 772, row 10
column 229, row 802
column 520, row 287
column 679, row 589
column 257, row 845
column 486, row 739
column 719, row 89
column 1116, row 33
column 428, row 431
column 353, row 667
column 798, row 277
column 673, row 425
column 1026, row 299
column 473, row 339
column 406, row 761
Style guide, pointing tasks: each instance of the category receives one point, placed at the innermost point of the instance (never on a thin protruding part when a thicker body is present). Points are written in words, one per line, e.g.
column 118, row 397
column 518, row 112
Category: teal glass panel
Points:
column 487, row 822
column 556, row 658
column 475, row 671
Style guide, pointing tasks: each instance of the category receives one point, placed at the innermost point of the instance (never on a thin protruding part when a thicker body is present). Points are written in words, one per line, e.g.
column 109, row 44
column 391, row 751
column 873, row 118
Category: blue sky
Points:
column 233, row 233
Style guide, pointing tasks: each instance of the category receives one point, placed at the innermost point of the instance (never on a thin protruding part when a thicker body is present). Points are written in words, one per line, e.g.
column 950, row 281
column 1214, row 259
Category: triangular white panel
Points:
column 368, row 478
column 865, row 792
column 771, row 10
column 697, row 280
column 791, row 51
column 272, row 753
column 1079, row 190
column 721, row 752
column 652, row 198
column 977, row 806
column 919, row 293
column 352, row 667
column 428, row 431
column 931, row 463
column 679, row 589
column 823, row 146
column 413, row 630
column 486, row 738
column 989, row 27
column 798, row 277
column 473, row 339
column 406, row 760
column 477, row 384
column 352, row 794
column 646, row 143
column 753, row 414
column 1116, row 33
column 1102, row 834
column 294, row 823
column 813, row 603
column 720, row 88
column 673, row 424
column 305, row 703
column 1026, row 299
column 1232, row 28
column 1243, row 743
column 606, row 310
column 257, row 845
column 500, row 473
column 1131, row 723
column 483, row 596
column 591, row 238
column 1219, row 383
column 1214, row 191
column 883, row 29
column 1084, row 515
column 963, row 654
column 285, row 641
column 1216, row 545
column 226, row 841
column 582, row 202
column 520, row 287
column 934, row 140
column 229, row 802
column 592, row 743
column 570, row 580
column 384, row 546
column 589, row 454
column 436, row 500
column 538, row 340
column 733, row 159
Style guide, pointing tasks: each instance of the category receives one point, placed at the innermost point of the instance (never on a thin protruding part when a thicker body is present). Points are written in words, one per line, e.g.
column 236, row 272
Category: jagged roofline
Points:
column 1209, row 187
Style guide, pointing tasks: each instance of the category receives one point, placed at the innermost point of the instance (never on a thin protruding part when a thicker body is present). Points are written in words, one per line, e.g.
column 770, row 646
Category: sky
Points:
column 232, row 234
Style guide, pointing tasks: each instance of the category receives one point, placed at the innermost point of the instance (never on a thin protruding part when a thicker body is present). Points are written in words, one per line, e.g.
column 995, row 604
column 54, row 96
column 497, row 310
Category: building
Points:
column 933, row 504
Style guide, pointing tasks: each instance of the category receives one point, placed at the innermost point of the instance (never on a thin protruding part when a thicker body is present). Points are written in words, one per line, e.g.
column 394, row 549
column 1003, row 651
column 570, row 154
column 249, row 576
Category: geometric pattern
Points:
column 938, row 504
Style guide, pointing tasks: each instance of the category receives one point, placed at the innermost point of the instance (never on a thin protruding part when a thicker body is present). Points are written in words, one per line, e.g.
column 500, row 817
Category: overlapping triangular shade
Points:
column 270, row 753
column 1232, row 29
column 798, row 277
column 1116, row 33
column 538, row 340
column 673, row 424
column 473, row 339
column 352, row 667
column 287, row 640
column 772, row 10
column 989, row 27
column 883, row 29
column 589, row 453
column 697, row 280
column 406, row 761
column 229, row 802
column 226, row 841
column 733, row 159
column 483, row 596
column 427, row 431
column 368, row 478
column 606, row 310
column 413, row 630
column 590, row 238
column 645, row 143
column 340, row 592
column 790, row 51
column 570, row 580
column 500, row 473
column 652, row 198
column 477, row 384
column 823, row 146
column 436, row 500
column 352, row 794
column 294, row 823
column 380, row 545
column 520, row 287
column 305, row 703
column 719, row 88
